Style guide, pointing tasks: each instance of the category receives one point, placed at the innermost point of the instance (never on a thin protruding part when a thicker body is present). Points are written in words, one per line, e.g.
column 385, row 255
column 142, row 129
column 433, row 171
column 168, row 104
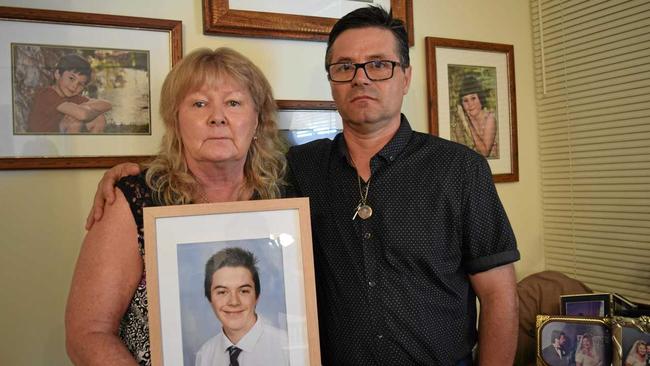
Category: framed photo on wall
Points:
column 564, row 340
column 81, row 89
column 471, row 94
column 308, row 20
column 186, row 314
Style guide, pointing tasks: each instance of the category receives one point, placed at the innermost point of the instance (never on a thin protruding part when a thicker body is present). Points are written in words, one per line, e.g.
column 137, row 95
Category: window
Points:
column 592, row 71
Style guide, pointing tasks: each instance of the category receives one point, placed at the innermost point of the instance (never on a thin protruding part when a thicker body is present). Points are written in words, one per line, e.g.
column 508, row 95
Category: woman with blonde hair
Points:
column 638, row 354
column 586, row 355
column 221, row 144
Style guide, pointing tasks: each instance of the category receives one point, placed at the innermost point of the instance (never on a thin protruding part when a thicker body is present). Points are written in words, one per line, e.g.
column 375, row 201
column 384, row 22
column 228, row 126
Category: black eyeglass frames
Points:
column 376, row 70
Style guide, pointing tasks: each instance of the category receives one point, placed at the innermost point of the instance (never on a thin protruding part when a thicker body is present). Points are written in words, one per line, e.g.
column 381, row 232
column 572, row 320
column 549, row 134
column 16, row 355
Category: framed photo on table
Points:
column 472, row 100
column 308, row 20
column 179, row 241
column 631, row 340
column 595, row 304
column 81, row 90
column 564, row 340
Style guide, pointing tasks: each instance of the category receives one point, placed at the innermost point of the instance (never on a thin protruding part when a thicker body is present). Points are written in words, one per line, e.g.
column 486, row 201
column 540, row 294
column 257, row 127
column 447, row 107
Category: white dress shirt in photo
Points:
column 264, row 344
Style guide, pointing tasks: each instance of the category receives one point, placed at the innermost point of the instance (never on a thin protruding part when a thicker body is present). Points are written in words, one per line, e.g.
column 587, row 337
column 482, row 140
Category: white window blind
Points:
column 592, row 75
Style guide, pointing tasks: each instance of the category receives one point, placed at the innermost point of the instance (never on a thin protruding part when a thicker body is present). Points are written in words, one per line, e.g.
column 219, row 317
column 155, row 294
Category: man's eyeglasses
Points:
column 376, row 70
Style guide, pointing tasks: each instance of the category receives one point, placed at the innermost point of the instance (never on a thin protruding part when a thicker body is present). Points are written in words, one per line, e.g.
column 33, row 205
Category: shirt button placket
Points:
column 370, row 260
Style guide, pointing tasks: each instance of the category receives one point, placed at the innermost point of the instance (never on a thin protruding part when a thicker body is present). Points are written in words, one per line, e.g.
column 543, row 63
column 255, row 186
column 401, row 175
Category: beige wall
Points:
column 42, row 212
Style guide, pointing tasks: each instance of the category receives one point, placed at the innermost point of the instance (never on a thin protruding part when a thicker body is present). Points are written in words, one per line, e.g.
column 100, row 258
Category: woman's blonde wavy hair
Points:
column 168, row 175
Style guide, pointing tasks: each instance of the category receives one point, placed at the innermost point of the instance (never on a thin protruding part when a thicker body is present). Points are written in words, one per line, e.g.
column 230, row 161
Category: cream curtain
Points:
column 592, row 73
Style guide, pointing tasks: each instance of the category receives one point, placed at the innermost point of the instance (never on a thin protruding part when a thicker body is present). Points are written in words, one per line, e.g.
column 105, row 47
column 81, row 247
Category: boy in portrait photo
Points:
column 60, row 107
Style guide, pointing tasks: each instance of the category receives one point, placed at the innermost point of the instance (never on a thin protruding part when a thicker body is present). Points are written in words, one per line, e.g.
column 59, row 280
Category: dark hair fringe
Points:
column 372, row 16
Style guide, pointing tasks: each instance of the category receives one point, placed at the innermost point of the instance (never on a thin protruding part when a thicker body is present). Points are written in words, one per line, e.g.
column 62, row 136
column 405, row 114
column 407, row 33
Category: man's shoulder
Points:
column 441, row 143
column 443, row 152
column 310, row 156
column 312, row 147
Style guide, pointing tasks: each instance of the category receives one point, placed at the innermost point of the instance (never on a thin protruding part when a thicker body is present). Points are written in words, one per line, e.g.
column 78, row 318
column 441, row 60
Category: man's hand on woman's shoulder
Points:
column 105, row 194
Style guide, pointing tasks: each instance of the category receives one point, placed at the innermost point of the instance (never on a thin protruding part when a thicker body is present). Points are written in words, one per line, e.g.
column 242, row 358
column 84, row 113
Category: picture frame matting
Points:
column 259, row 226
column 82, row 23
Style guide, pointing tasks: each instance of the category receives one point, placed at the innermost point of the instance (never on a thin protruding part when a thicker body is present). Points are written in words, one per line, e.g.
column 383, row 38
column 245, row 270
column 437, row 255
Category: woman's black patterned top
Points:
column 134, row 326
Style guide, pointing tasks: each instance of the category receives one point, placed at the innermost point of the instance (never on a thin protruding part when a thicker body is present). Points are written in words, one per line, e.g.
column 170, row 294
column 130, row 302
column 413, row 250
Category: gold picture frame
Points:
column 570, row 331
column 626, row 336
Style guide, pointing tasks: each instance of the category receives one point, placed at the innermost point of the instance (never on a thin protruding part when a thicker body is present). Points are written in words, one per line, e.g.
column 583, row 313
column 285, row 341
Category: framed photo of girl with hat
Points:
column 471, row 92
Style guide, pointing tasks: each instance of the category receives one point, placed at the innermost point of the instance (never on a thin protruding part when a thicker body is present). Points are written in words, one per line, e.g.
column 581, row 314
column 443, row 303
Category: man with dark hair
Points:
column 555, row 354
column 232, row 286
column 408, row 228
column 397, row 278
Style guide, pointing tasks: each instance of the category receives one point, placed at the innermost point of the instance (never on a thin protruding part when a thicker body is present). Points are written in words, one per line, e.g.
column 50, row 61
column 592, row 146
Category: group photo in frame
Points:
column 184, row 246
column 82, row 89
column 565, row 340
column 307, row 20
column 471, row 95
column 631, row 338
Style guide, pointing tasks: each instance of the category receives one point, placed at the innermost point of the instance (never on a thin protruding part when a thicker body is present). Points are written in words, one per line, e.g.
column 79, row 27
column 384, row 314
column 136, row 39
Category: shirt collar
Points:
column 248, row 341
column 388, row 153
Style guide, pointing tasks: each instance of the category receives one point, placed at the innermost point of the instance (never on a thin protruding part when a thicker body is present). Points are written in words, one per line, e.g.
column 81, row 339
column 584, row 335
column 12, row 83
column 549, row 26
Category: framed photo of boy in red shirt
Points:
column 82, row 88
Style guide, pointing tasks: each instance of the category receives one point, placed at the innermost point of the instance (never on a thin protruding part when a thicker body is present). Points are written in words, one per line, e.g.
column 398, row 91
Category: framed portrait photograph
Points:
column 308, row 20
column 234, row 274
column 595, row 304
column 563, row 340
column 631, row 338
column 81, row 90
column 471, row 95
column 114, row 83
column 302, row 121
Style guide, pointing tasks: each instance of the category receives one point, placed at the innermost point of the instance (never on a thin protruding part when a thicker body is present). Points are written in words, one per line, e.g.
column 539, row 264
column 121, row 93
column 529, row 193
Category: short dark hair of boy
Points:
column 376, row 17
column 74, row 63
column 231, row 257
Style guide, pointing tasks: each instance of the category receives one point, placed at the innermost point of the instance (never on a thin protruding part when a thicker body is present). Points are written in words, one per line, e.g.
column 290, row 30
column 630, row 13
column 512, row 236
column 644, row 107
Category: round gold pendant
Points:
column 365, row 211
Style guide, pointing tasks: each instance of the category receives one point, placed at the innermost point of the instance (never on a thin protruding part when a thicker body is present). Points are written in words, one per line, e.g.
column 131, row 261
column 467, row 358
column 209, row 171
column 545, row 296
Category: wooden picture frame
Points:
column 485, row 72
column 180, row 239
column 570, row 332
column 219, row 18
column 75, row 30
column 301, row 121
